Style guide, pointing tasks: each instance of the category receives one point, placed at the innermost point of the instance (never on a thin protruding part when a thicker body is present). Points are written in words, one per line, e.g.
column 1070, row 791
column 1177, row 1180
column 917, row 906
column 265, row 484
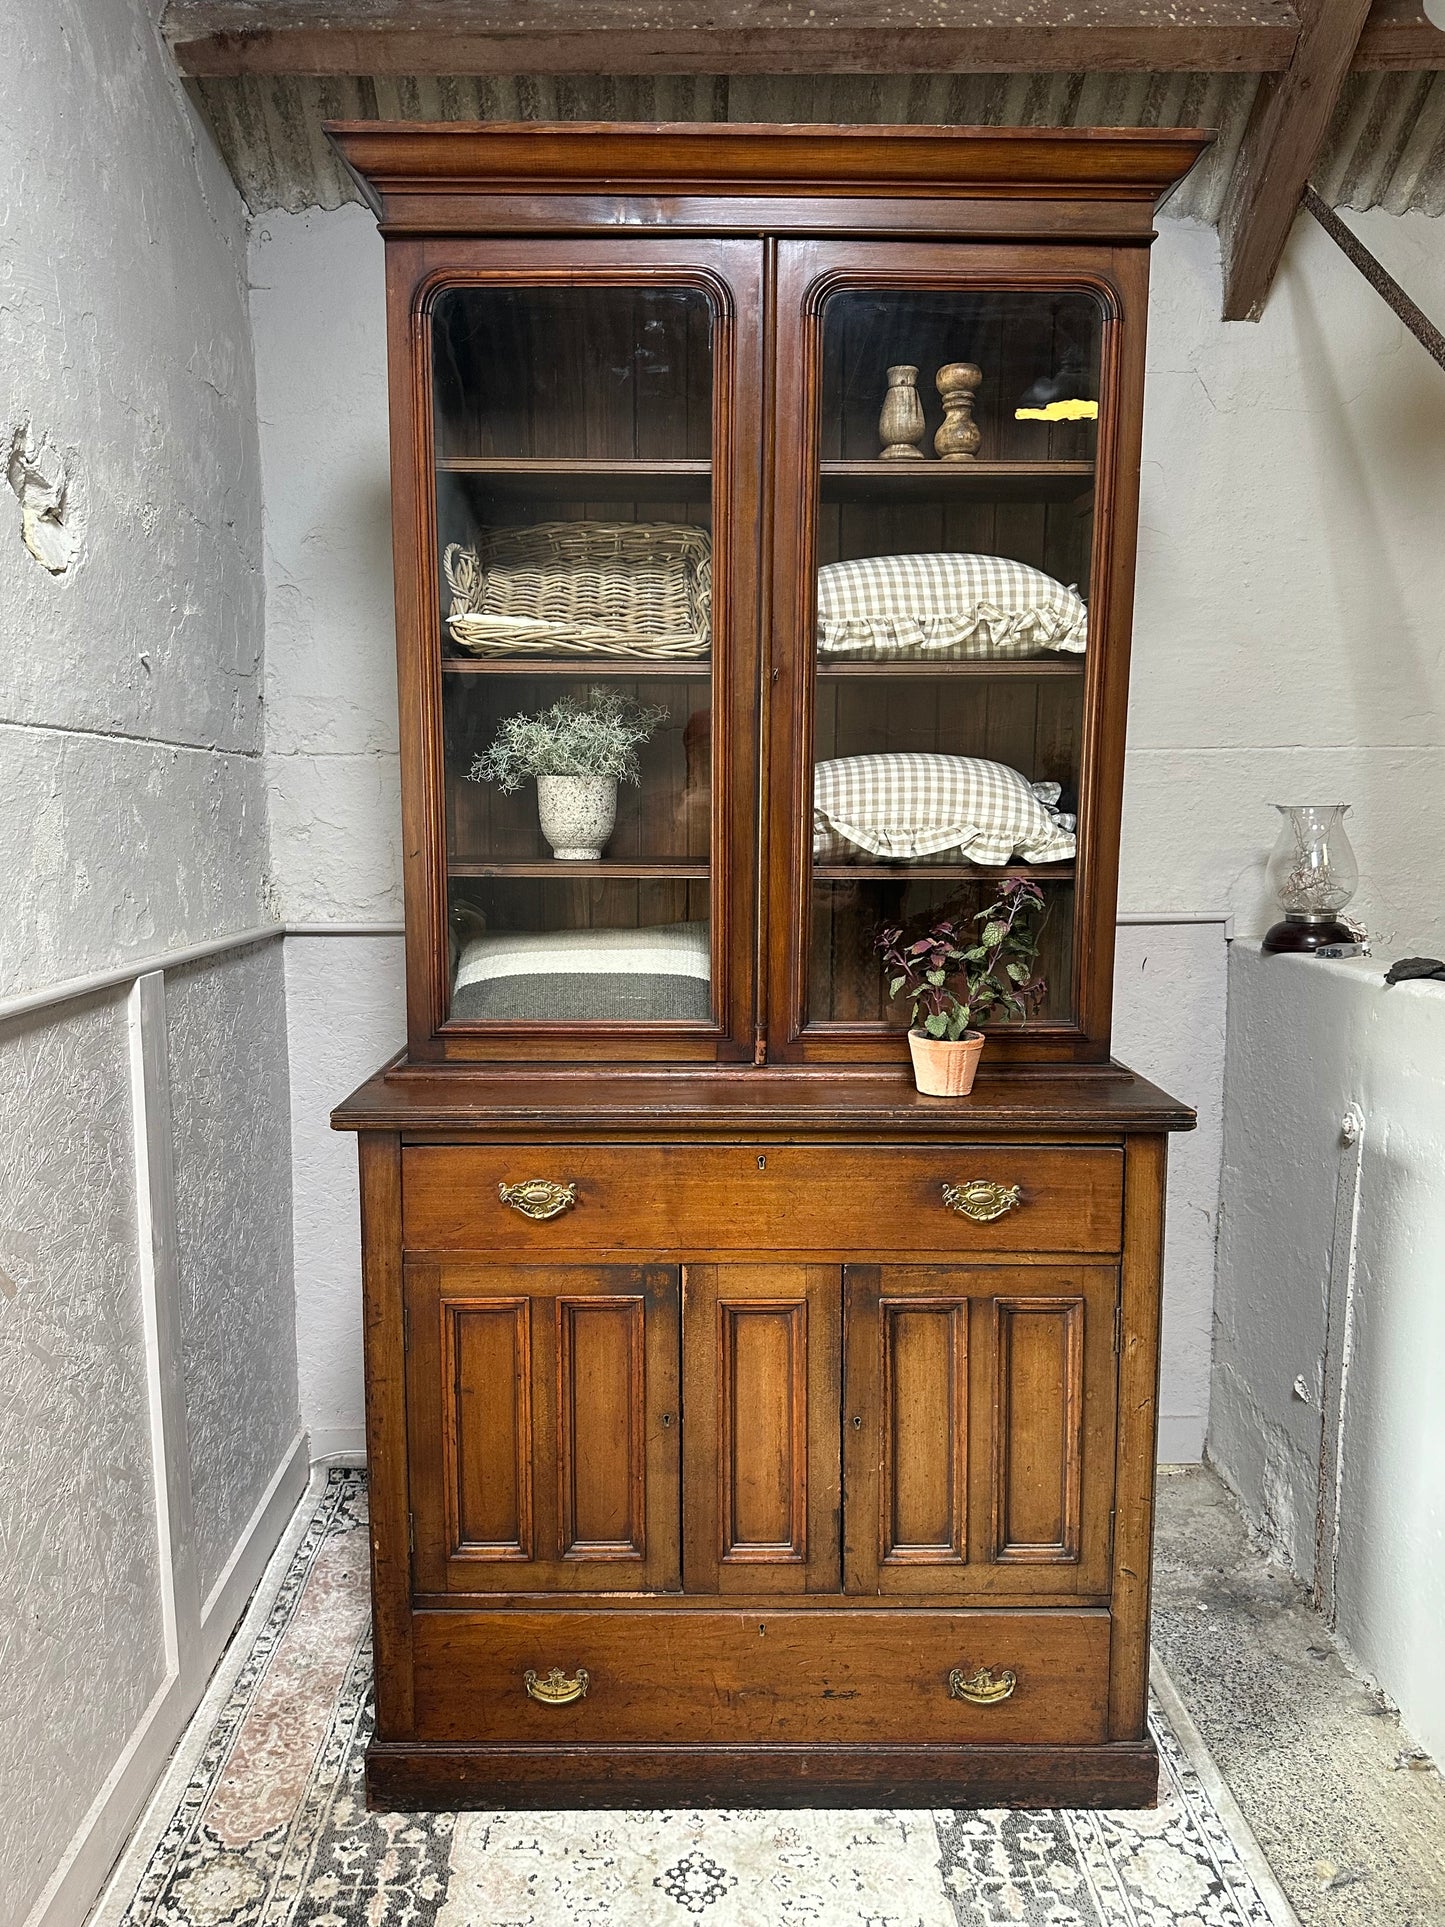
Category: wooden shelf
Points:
column 1030, row 481
column 606, row 869
column 1031, row 667
column 584, row 479
column 581, row 668
column 587, row 478
column 691, row 668
column 875, row 872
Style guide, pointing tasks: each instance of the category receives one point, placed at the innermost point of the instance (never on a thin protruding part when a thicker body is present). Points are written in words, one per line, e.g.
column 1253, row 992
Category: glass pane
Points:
column 955, row 522
column 574, row 518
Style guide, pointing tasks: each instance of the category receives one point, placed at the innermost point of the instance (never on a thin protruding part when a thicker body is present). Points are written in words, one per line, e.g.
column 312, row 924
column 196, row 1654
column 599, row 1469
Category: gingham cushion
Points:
column 935, row 806
column 949, row 606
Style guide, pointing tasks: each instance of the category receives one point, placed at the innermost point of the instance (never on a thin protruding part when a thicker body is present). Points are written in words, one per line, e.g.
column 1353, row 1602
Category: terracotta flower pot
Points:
column 944, row 1068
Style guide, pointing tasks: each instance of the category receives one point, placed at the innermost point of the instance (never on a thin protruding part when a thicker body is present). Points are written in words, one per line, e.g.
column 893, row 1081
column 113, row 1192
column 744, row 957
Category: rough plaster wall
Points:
column 133, row 800
column 1308, row 1040
column 1169, row 998
column 81, row 1638
column 130, row 685
column 226, row 1027
column 362, row 976
column 317, row 307
column 1288, row 644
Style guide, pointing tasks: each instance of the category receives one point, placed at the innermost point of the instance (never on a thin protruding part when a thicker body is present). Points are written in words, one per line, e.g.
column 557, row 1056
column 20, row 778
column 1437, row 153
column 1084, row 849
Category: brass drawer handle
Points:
column 557, row 1690
column 982, row 1200
column 983, row 1688
column 538, row 1197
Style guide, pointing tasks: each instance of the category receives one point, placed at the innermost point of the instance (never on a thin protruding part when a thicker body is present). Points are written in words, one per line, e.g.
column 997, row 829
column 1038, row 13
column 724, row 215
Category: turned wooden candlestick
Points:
column 901, row 424
column 958, row 439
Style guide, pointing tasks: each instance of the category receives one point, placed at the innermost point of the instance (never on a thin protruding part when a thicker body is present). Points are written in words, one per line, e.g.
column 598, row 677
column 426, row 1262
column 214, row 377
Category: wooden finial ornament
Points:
column 901, row 424
column 958, row 438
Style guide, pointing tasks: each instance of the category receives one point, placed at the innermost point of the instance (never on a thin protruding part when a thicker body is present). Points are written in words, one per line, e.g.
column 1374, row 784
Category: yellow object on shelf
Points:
column 1060, row 411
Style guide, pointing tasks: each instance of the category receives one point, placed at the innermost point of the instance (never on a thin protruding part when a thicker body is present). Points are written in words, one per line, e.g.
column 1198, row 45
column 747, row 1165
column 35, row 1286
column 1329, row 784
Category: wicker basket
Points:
column 583, row 589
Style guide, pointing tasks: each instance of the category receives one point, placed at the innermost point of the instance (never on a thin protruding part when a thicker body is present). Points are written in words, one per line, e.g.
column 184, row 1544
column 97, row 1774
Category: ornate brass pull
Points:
column 983, row 1688
column 982, row 1200
column 538, row 1197
column 557, row 1690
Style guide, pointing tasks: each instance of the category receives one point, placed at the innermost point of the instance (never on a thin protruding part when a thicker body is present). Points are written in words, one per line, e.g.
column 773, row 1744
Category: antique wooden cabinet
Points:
column 744, row 1426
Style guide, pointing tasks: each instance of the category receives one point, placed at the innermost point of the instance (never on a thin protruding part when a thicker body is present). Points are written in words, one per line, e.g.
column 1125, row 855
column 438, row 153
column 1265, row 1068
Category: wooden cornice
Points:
column 213, row 38
column 438, row 177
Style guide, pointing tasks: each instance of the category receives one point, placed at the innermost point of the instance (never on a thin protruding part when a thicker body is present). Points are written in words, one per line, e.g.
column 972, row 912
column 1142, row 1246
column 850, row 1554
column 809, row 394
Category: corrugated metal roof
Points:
column 1386, row 147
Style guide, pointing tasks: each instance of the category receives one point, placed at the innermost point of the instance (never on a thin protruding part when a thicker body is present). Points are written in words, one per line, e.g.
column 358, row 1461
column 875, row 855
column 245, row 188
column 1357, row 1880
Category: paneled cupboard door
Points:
column 543, row 1425
column 760, row 1448
column 578, row 620
column 978, row 1429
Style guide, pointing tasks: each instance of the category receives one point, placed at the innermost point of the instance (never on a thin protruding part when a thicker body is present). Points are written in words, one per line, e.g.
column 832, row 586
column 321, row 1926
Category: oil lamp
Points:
column 1313, row 873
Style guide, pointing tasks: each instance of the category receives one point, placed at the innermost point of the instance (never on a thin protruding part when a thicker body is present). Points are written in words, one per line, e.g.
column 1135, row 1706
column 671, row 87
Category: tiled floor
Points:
column 1353, row 1827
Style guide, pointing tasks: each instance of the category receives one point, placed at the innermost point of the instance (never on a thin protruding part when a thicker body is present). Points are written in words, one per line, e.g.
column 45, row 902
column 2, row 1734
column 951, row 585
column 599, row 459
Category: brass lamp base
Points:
column 1304, row 935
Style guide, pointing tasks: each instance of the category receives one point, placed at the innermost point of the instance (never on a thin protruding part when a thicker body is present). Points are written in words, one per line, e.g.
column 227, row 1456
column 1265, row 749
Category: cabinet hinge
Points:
column 1111, row 1532
column 406, row 1325
column 1119, row 1326
column 411, row 1533
column 760, row 1047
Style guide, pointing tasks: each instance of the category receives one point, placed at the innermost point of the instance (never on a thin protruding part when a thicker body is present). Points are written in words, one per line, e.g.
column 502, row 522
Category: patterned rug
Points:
column 261, row 1821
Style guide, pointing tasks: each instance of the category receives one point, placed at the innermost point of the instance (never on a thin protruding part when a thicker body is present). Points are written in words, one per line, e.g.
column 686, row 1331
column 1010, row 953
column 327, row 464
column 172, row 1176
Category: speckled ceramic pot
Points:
column 577, row 814
column 944, row 1069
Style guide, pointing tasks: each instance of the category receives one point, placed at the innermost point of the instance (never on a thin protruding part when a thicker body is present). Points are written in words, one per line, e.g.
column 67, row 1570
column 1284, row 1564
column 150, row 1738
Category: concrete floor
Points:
column 1351, row 1818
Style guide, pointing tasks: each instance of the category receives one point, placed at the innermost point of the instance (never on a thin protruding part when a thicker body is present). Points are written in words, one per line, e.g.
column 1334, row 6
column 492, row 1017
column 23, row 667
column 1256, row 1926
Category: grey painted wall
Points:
column 80, row 1604
column 226, row 1023
column 133, row 799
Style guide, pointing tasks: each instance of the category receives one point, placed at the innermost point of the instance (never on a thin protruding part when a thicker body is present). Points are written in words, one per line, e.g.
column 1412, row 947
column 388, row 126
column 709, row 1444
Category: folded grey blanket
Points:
column 657, row 973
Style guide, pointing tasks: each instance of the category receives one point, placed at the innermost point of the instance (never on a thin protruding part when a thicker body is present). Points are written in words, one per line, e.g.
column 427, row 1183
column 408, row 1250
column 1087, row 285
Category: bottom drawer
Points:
column 685, row 1676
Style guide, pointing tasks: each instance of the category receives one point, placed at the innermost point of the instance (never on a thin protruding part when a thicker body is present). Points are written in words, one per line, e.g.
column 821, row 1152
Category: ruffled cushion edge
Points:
column 999, row 631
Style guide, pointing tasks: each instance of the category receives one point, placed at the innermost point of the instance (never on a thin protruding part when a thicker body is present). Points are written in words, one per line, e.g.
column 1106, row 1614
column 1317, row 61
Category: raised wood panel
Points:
column 601, row 1435
column 761, row 1462
column 1038, row 1438
column 1044, row 1385
column 764, row 1467
column 925, row 1438
column 543, row 1427
column 977, row 1427
column 487, row 1426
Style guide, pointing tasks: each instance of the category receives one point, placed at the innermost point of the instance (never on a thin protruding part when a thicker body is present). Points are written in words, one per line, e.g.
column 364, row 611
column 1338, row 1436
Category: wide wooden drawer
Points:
column 679, row 1675
column 677, row 1199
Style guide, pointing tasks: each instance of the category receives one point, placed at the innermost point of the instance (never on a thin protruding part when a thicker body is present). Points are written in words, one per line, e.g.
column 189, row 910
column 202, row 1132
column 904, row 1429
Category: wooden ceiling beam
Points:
column 211, row 38
column 216, row 38
column 1287, row 127
column 1399, row 39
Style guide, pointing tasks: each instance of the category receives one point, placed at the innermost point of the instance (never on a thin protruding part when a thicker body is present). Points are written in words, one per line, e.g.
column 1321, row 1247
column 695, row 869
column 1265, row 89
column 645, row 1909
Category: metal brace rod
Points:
column 1378, row 276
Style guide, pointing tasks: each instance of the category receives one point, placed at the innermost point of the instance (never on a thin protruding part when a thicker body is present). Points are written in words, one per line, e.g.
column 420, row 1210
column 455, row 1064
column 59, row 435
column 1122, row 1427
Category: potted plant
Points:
column 995, row 971
column 579, row 750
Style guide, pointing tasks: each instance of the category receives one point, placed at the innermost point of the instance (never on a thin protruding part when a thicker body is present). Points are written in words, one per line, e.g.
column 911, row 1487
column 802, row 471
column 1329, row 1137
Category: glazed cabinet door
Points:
column 761, row 1379
column 956, row 481
column 978, row 1429
column 543, row 1426
column 576, row 506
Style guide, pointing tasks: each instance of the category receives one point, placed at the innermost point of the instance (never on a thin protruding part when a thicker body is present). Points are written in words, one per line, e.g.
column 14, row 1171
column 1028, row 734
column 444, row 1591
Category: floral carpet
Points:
column 261, row 1820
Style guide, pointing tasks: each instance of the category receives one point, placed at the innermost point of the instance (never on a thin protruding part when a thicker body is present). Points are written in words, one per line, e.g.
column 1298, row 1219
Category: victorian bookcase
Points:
column 743, row 1425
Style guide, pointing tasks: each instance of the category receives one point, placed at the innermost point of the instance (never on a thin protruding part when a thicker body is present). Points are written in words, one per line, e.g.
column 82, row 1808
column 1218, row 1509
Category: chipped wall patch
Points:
column 41, row 480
